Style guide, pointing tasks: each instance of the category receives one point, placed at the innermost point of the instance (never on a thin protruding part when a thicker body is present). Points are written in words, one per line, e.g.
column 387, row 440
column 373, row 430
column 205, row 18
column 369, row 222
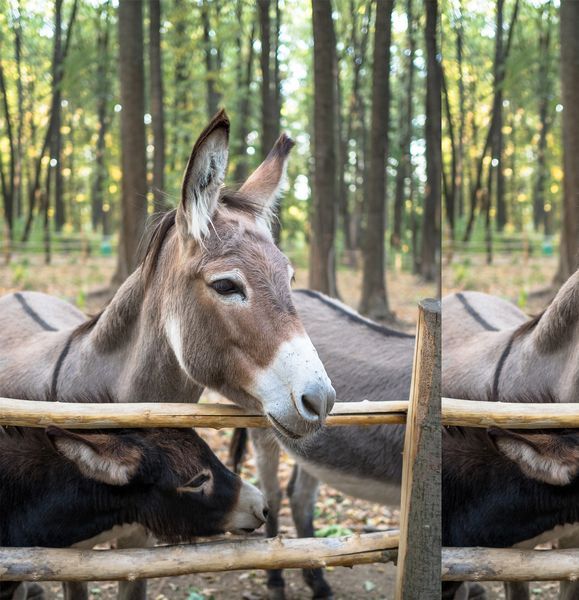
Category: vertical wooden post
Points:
column 418, row 576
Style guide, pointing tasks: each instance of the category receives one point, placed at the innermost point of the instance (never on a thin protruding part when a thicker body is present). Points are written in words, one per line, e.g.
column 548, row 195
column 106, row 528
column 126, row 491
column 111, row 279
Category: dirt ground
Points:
column 520, row 281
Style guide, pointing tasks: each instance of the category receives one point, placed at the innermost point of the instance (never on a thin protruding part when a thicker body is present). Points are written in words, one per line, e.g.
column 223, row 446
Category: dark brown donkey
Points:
column 210, row 306
column 59, row 488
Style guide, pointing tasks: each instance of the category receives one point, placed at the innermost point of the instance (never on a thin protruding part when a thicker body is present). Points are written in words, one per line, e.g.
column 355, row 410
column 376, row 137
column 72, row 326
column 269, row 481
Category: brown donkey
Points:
column 210, row 306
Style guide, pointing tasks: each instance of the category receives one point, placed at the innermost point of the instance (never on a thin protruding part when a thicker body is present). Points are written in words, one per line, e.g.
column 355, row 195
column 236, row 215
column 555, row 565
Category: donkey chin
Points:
column 294, row 391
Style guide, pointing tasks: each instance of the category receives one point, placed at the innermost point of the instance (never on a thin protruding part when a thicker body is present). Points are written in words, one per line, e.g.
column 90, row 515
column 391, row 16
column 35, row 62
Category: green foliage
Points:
column 185, row 90
column 333, row 531
column 523, row 88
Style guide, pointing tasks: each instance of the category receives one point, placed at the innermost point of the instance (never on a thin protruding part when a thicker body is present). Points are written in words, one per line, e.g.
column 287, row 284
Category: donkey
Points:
column 491, row 350
column 59, row 488
column 364, row 462
column 209, row 306
column 502, row 488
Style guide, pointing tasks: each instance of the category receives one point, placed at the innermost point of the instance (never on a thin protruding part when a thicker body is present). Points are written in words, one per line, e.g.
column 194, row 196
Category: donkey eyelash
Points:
column 194, row 485
column 227, row 287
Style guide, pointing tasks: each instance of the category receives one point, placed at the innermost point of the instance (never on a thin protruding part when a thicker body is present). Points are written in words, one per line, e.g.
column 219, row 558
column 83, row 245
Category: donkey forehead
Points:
column 245, row 242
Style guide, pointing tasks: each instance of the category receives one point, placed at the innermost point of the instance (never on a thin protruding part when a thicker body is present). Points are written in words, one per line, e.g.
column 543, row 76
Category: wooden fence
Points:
column 416, row 547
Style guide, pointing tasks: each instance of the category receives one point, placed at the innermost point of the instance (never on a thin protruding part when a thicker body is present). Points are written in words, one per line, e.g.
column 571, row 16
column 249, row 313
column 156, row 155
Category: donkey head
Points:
column 230, row 320
column 174, row 484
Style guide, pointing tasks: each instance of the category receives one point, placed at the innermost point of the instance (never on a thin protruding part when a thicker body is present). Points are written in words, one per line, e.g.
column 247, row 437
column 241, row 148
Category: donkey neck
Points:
column 122, row 355
column 501, row 365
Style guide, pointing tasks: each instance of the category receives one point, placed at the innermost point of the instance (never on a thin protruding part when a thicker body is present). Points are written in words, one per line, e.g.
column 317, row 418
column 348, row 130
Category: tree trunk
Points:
column 429, row 263
column 103, row 87
column 404, row 171
column 133, row 154
column 270, row 92
column 544, row 92
column 569, row 260
column 180, row 145
column 55, row 167
column 374, row 302
column 8, row 185
column 244, row 79
column 322, row 274
column 449, row 183
column 34, row 192
column 157, row 112
column 497, row 143
column 358, row 121
column 20, row 111
column 477, row 191
column 459, row 184
column 211, row 62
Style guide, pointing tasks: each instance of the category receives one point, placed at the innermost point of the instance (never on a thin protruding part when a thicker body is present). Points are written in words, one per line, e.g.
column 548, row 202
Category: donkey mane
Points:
column 529, row 325
column 352, row 316
column 156, row 234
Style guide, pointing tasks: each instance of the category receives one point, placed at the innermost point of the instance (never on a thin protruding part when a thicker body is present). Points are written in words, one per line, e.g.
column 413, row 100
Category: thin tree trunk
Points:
column 459, row 184
column 103, row 88
column 157, row 111
column 403, row 173
column 322, row 275
column 8, row 185
column 269, row 127
column 133, row 141
column 211, row 62
column 569, row 24
column 181, row 114
column 449, row 183
column 358, row 120
column 55, row 167
column 544, row 92
column 374, row 300
column 35, row 193
column 477, row 191
column 20, row 112
column 429, row 263
column 244, row 79
column 497, row 143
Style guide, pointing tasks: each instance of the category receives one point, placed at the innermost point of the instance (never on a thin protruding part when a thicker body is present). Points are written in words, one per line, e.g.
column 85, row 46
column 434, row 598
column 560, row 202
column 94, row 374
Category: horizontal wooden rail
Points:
column 46, row 564
column 458, row 564
column 27, row 413
column 467, row 413
column 497, row 564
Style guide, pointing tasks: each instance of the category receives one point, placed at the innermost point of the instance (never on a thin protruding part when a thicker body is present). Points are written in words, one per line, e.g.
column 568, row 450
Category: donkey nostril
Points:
column 265, row 513
column 312, row 404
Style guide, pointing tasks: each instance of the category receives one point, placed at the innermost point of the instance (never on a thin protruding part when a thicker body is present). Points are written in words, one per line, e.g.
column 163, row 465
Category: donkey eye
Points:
column 198, row 481
column 227, row 287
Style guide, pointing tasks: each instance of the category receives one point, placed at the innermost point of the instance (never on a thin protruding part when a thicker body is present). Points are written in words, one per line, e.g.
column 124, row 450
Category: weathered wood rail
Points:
column 465, row 413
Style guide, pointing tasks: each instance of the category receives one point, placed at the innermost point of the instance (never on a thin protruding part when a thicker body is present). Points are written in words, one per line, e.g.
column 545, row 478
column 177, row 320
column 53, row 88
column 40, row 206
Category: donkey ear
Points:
column 265, row 184
column 549, row 458
column 104, row 457
column 555, row 326
column 204, row 175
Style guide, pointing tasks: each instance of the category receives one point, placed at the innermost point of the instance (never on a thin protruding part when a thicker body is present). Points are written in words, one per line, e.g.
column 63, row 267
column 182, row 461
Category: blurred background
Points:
column 61, row 147
column 510, row 227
